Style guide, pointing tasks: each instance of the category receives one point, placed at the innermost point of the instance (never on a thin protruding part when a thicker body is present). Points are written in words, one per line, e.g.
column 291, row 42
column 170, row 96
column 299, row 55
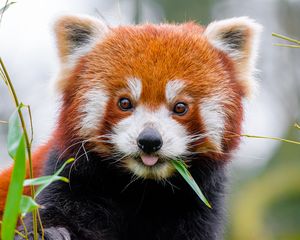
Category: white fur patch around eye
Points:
column 174, row 135
column 173, row 88
column 135, row 87
column 92, row 110
column 213, row 115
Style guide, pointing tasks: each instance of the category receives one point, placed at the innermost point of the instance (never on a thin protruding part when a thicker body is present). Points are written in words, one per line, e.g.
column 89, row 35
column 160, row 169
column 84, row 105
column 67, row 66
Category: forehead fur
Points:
column 156, row 54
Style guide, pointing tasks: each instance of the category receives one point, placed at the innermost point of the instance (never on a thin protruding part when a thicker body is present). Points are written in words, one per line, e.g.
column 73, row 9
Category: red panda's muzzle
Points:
column 149, row 140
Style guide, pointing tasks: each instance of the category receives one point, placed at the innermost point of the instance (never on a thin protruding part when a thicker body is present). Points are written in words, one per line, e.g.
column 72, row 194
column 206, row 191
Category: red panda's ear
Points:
column 76, row 35
column 238, row 37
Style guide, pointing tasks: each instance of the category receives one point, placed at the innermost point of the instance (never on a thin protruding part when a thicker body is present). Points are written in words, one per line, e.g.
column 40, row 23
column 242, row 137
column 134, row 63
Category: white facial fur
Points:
column 175, row 137
column 135, row 87
column 173, row 88
column 214, row 117
column 173, row 134
column 92, row 111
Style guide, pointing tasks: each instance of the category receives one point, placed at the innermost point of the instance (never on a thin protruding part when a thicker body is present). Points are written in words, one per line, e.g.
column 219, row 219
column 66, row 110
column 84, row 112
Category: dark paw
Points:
column 57, row 234
column 49, row 234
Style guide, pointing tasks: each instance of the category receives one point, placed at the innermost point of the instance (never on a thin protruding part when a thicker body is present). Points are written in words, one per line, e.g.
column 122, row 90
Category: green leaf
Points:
column 54, row 177
column 27, row 205
column 15, row 190
column 181, row 167
column 64, row 165
column 43, row 180
column 14, row 133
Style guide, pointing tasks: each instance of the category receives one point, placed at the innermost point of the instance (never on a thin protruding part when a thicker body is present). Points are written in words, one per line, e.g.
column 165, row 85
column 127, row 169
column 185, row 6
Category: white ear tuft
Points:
column 76, row 35
column 237, row 37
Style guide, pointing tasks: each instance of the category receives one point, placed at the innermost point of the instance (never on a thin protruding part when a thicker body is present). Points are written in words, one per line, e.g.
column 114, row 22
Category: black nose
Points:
column 149, row 140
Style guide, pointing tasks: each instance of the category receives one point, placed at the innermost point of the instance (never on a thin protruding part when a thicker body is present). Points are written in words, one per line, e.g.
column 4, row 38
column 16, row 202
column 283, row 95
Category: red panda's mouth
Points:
column 149, row 160
column 149, row 166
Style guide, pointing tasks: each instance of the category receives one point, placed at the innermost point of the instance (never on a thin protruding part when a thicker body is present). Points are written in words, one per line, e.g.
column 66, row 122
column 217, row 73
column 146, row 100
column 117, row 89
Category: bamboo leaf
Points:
column 54, row 177
column 14, row 133
column 181, row 167
column 44, row 180
column 15, row 190
column 27, row 205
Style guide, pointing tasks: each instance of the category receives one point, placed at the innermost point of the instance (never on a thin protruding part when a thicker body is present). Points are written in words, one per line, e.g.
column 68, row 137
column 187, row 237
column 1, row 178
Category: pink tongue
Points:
column 149, row 160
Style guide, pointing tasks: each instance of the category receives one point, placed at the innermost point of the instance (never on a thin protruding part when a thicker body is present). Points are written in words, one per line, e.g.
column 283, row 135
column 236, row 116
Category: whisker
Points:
column 60, row 156
column 73, row 164
column 133, row 179
column 171, row 185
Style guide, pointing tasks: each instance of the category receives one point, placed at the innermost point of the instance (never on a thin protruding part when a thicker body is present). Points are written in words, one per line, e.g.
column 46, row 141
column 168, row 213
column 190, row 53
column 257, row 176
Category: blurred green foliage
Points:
column 267, row 205
column 189, row 10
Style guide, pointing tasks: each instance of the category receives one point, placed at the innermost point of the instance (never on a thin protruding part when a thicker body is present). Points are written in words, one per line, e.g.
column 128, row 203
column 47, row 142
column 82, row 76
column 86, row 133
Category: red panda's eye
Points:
column 180, row 108
column 125, row 104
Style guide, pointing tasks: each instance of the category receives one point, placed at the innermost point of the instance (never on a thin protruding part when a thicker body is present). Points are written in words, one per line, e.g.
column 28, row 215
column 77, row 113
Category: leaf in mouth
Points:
column 181, row 167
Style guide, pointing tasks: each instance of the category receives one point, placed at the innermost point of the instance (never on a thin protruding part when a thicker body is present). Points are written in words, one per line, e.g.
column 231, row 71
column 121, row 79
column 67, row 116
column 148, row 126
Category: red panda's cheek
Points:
column 221, row 120
column 92, row 108
column 213, row 115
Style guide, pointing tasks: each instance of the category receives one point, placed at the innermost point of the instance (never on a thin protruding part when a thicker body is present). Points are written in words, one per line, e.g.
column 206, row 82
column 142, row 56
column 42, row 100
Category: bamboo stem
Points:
column 286, row 38
column 28, row 142
column 271, row 138
column 286, row 45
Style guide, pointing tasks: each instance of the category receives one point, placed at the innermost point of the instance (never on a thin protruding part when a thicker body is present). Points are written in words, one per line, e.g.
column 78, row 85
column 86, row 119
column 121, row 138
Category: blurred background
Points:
column 264, row 196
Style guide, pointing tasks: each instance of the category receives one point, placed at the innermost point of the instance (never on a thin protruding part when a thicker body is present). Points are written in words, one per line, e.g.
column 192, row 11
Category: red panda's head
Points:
column 150, row 93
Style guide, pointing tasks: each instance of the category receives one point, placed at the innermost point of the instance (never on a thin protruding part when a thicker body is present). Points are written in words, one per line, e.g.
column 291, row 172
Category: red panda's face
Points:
column 150, row 94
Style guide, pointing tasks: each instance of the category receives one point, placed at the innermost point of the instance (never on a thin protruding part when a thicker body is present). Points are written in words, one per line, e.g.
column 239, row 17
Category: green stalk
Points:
column 286, row 45
column 27, row 141
column 271, row 138
column 286, row 38
column 17, row 232
column 24, row 226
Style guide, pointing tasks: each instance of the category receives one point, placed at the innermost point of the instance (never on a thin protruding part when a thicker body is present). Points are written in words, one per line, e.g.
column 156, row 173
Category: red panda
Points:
column 133, row 99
